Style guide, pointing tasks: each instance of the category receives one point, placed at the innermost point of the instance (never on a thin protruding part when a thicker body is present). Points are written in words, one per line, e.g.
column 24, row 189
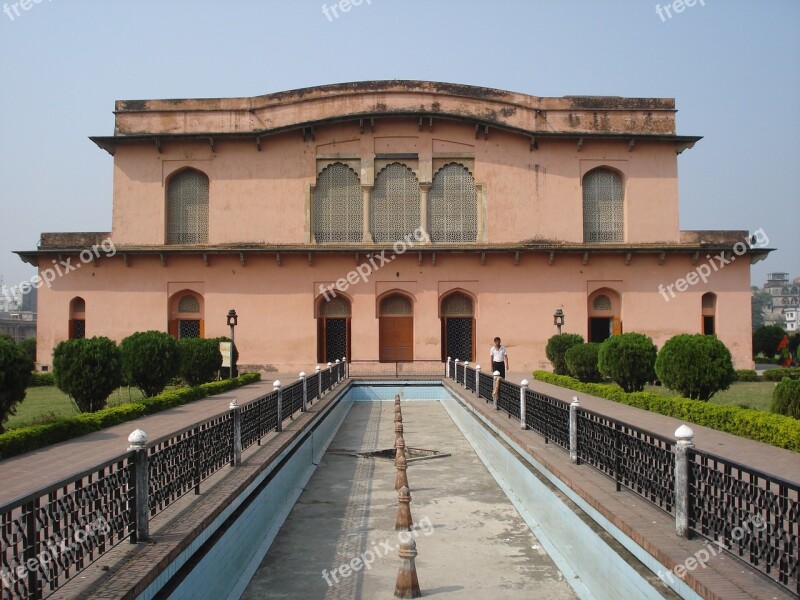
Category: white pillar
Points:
column 685, row 441
column 573, row 430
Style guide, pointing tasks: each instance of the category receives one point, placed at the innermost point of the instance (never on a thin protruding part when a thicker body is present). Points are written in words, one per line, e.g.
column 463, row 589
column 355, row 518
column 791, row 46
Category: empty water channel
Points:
column 487, row 524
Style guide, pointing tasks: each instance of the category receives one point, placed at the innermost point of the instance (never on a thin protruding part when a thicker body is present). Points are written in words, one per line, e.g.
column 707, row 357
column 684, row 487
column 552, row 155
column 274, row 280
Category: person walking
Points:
column 499, row 356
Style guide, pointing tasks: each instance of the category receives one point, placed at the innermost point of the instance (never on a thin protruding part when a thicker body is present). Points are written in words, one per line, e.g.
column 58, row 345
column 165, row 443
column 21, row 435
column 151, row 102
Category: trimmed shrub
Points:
column 786, row 398
column 557, row 347
column 87, row 370
column 200, row 360
column 149, row 361
column 746, row 375
column 779, row 374
column 628, row 360
column 41, row 379
column 758, row 425
column 26, row 439
column 28, row 346
column 582, row 362
column 15, row 374
column 698, row 366
column 766, row 340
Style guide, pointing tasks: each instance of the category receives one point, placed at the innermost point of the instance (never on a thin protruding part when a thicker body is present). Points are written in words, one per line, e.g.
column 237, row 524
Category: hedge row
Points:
column 746, row 375
column 41, row 380
column 779, row 374
column 777, row 430
column 25, row 439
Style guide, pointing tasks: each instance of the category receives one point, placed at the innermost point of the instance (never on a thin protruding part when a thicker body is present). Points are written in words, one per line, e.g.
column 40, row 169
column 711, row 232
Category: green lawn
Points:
column 46, row 403
column 755, row 394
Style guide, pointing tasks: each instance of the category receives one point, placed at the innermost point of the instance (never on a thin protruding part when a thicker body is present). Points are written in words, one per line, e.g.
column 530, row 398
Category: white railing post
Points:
column 455, row 371
column 478, row 380
column 302, row 376
column 337, row 371
column 344, row 366
column 319, row 382
column 141, row 484
column 573, row 430
column 236, row 414
column 523, row 386
column 277, row 386
column 685, row 441
column 447, row 367
column 330, row 379
column 466, row 364
column 496, row 389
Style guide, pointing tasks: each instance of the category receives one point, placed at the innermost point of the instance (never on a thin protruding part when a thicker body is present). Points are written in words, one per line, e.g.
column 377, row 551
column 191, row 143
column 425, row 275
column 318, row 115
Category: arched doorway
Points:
column 77, row 318
column 333, row 329
column 458, row 327
column 604, row 313
column 395, row 328
column 186, row 315
column 709, row 311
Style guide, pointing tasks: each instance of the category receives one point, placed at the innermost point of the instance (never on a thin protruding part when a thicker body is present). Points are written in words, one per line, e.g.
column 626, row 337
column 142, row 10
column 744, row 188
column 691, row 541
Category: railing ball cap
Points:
column 496, row 373
column 329, row 364
column 302, row 374
column 524, row 382
column 138, row 438
column 318, row 369
column 233, row 404
column 575, row 401
column 684, row 432
column 337, row 361
column 277, row 384
column 456, row 360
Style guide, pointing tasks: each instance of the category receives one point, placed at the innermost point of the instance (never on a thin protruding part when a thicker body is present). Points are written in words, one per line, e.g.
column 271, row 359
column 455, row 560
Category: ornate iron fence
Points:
column 292, row 398
column 756, row 516
column 312, row 386
column 63, row 528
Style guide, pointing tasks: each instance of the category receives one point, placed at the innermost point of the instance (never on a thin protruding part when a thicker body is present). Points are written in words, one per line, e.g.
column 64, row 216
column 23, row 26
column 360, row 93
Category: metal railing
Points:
column 755, row 515
column 50, row 535
column 375, row 368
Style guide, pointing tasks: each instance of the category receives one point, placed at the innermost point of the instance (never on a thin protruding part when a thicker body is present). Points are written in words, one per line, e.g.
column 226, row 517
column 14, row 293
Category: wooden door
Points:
column 396, row 339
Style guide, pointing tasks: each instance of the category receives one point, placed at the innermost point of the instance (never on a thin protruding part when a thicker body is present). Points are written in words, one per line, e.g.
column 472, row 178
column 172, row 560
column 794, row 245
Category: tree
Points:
column 557, row 347
column 87, row 370
column 29, row 347
column 582, row 362
column 628, row 360
column 200, row 360
column 149, row 360
column 698, row 366
column 786, row 398
column 758, row 301
column 766, row 340
column 15, row 375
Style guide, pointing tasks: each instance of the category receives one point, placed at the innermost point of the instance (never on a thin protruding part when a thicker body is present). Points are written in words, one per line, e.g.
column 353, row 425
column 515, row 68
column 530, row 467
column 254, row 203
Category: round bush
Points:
column 149, row 360
column 628, row 360
column 557, row 347
column 15, row 375
column 200, row 360
column 87, row 370
column 766, row 340
column 698, row 366
column 786, row 398
column 582, row 362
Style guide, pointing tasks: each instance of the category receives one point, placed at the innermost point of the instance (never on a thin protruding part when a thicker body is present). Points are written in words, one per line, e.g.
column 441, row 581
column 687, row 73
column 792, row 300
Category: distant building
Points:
column 784, row 306
column 292, row 208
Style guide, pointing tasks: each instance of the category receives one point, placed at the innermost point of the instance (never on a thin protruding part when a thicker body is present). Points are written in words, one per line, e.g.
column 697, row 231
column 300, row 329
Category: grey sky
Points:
column 732, row 66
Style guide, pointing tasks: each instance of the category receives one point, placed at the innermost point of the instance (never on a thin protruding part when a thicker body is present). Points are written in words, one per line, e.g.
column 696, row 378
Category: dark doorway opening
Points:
column 599, row 329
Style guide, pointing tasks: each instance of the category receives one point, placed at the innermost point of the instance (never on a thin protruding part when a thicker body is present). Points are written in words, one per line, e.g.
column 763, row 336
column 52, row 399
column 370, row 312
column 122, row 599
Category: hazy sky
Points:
column 732, row 66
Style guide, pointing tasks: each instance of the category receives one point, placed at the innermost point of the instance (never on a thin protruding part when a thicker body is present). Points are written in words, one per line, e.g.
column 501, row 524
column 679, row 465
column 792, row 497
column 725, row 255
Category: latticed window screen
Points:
column 603, row 219
column 335, row 307
column 187, row 208
column 453, row 205
column 394, row 210
column 601, row 302
column 79, row 329
column 188, row 304
column 189, row 328
column 338, row 212
column 457, row 305
column 396, row 306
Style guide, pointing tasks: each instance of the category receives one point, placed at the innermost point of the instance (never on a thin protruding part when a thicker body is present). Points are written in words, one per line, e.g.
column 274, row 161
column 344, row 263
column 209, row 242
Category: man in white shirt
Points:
column 499, row 357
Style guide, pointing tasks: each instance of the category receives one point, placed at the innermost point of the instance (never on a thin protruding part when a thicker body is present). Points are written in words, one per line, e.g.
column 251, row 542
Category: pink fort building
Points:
column 396, row 221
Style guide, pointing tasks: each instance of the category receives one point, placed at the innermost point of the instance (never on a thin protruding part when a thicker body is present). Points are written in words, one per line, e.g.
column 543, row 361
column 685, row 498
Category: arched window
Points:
column 394, row 210
column 601, row 302
column 186, row 315
column 187, row 208
column 188, row 304
column 77, row 318
column 605, row 309
column 338, row 213
column 453, row 205
column 603, row 210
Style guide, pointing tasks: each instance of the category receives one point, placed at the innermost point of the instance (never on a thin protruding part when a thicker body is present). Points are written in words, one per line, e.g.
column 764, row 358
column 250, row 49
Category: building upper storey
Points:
column 365, row 163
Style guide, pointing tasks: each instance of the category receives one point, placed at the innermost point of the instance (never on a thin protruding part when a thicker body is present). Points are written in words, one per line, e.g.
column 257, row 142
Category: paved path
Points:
column 472, row 543
column 29, row 472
